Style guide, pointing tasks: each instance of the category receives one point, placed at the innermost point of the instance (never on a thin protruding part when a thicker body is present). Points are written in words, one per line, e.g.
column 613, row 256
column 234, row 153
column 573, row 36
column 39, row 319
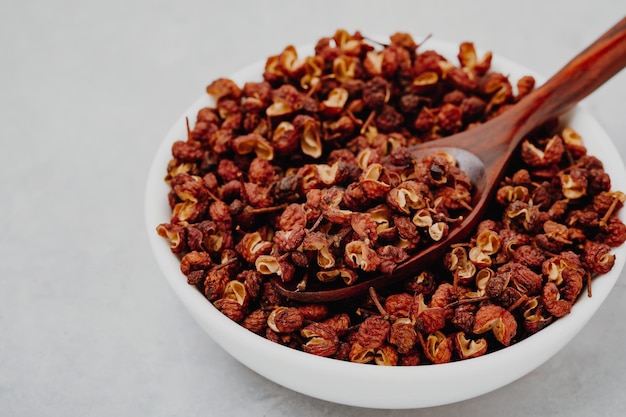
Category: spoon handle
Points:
column 576, row 80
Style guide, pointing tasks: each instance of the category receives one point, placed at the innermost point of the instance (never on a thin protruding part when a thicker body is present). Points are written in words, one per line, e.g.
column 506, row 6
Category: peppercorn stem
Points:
column 609, row 212
column 262, row 210
column 368, row 121
column 465, row 206
column 225, row 264
column 377, row 303
column 188, row 129
column 213, row 196
column 518, row 303
column 317, row 223
column 466, row 301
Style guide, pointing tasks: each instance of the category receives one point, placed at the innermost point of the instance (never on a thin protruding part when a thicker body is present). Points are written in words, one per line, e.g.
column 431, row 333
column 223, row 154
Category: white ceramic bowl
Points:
column 369, row 385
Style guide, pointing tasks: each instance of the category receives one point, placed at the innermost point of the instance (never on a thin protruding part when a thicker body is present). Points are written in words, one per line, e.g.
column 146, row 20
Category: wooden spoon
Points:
column 484, row 153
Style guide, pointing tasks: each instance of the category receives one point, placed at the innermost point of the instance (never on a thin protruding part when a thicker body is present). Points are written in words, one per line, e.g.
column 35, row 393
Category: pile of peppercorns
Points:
column 307, row 175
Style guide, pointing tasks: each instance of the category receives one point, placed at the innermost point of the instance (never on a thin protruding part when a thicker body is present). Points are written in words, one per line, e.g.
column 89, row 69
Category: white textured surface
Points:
column 88, row 89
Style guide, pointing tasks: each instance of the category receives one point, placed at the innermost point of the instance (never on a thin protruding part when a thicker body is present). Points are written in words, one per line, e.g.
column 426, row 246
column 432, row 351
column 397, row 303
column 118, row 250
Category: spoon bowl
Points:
column 484, row 152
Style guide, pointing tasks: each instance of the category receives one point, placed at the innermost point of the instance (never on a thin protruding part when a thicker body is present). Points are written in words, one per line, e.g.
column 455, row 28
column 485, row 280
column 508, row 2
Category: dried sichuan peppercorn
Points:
column 322, row 340
column 307, row 176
